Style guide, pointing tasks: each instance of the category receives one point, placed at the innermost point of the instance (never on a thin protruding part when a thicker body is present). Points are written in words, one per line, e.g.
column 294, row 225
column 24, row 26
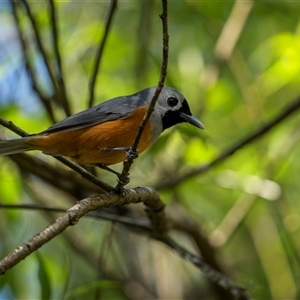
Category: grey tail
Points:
column 13, row 146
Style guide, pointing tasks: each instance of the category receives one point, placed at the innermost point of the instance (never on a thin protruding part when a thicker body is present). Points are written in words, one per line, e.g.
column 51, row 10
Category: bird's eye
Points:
column 172, row 101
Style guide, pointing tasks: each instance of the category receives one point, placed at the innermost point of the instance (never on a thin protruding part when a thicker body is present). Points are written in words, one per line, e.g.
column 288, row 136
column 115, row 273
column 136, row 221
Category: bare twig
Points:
column 30, row 69
column 60, row 178
column 258, row 133
column 213, row 275
column 92, row 84
column 163, row 74
column 182, row 222
column 39, row 41
column 83, row 172
column 11, row 126
column 60, row 78
column 144, row 37
column 72, row 216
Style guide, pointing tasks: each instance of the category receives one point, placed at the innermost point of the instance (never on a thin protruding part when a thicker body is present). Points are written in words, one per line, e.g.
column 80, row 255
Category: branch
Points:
column 73, row 215
column 60, row 178
column 160, row 85
column 60, row 79
column 83, row 172
column 30, row 69
column 39, row 41
column 92, row 84
column 258, row 133
column 183, row 223
column 212, row 275
column 44, row 54
column 145, row 29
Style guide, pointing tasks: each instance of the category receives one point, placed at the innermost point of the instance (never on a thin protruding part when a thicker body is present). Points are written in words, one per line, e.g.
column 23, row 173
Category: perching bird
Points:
column 101, row 135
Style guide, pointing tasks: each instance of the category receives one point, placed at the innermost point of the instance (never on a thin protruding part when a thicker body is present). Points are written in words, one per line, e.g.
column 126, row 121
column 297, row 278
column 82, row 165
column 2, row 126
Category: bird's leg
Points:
column 129, row 155
column 132, row 154
column 106, row 168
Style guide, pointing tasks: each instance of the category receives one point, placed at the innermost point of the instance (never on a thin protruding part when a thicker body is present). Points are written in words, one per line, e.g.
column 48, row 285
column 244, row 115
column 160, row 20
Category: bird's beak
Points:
column 192, row 120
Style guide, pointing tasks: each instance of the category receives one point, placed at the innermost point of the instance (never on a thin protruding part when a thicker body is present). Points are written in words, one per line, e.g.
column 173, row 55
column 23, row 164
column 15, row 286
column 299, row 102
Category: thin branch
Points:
column 39, row 42
column 212, row 275
column 60, row 178
column 72, row 216
column 160, row 85
column 30, row 69
column 283, row 114
column 182, row 222
column 93, row 80
column 11, row 126
column 83, row 172
column 144, row 36
column 60, row 78
column 163, row 74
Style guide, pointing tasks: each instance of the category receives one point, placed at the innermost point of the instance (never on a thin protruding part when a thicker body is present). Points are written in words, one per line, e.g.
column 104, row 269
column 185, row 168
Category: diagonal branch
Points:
column 72, row 216
column 212, row 275
column 160, row 85
column 60, row 178
column 92, row 84
column 258, row 133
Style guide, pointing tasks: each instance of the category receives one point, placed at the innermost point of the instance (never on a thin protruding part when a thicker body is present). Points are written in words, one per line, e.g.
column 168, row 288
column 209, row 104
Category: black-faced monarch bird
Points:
column 101, row 135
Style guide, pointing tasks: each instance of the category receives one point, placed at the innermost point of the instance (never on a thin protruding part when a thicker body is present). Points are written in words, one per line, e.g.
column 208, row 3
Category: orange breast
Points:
column 87, row 145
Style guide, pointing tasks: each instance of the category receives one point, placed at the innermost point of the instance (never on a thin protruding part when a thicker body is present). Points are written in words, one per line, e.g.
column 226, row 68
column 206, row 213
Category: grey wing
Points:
column 107, row 111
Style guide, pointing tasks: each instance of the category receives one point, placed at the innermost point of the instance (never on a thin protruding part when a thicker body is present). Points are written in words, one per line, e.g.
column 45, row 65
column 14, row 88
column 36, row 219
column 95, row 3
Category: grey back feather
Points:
column 107, row 111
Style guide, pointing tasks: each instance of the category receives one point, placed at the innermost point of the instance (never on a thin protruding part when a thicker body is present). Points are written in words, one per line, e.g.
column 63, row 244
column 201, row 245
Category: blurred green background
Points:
column 238, row 65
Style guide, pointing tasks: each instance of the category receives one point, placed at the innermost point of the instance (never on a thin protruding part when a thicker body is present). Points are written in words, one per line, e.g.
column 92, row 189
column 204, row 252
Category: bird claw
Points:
column 130, row 154
column 123, row 181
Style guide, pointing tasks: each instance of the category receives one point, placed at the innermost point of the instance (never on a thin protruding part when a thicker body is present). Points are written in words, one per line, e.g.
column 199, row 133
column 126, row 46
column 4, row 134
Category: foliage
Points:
column 246, row 207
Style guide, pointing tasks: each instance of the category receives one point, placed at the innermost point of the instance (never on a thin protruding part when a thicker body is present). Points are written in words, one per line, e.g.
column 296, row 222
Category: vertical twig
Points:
column 30, row 69
column 60, row 78
column 163, row 74
column 39, row 42
column 144, row 37
column 93, row 80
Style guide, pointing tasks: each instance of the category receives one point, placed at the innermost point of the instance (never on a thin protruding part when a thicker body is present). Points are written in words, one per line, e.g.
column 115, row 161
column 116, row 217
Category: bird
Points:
column 103, row 134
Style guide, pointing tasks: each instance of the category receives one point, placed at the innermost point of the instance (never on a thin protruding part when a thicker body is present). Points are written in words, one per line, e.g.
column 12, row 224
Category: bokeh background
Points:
column 238, row 65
